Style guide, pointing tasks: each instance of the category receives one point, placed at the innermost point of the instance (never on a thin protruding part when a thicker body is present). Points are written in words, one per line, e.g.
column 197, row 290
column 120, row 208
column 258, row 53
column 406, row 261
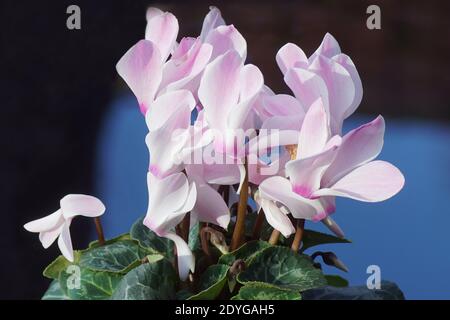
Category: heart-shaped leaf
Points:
column 212, row 282
column 246, row 252
column 283, row 268
column 264, row 291
column 54, row 292
column 150, row 281
column 83, row 284
column 118, row 257
column 149, row 239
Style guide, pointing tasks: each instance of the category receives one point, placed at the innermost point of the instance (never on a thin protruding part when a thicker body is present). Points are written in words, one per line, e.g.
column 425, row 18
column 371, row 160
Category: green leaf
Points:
column 246, row 252
column 95, row 244
column 85, row 284
column 194, row 238
column 336, row 281
column 264, row 291
column 150, row 281
column 314, row 238
column 118, row 257
column 54, row 292
column 282, row 267
column 60, row 264
column 212, row 282
column 149, row 239
column 388, row 291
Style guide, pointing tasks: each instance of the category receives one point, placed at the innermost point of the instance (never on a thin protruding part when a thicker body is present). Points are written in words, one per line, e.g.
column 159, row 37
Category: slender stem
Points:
column 274, row 237
column 239, row 229
column 204, row 233
column 258, row 225
column 298, row 235
column 99, row 229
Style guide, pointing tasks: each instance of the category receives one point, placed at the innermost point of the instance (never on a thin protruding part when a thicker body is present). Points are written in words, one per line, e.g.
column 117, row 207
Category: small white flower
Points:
column 57, row 224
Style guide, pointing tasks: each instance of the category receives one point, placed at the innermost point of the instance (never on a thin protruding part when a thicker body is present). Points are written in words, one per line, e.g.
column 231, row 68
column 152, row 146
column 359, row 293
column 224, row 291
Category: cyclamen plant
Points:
column 235, row 172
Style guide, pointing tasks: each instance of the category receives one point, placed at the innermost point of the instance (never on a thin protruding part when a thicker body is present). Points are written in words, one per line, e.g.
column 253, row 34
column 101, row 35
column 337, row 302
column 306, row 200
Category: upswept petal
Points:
column 167, row 105
column 348, row 64
column 48, row 237
column 226, row 38
column 210, row 207
column 166, row 143
column 212, row 20
column 179, row 72
column 307, row 87
column 328, row 48
column 251, row 83
column 185, row 258
column 81, row 205
column 291, row 56
column 359, row 146
column 277, row 219
column 372, row 182
column 220, row 88
column 47, row 223
column 314, row 133
column 281, row 105
column 141, row 68
column 65, row 242
column 168, row 197
column 162, row 30
column 340, row 86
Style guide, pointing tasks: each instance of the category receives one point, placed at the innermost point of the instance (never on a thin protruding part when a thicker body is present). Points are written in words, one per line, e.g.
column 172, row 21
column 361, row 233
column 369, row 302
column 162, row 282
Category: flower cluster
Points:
column 217, row 133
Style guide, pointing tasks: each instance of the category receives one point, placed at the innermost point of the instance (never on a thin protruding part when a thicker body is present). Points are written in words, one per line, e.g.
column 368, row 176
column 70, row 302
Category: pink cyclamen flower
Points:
column 326, row 167
column 328, row 74
column 58, row 223
column 170, row 198
column 145, row 69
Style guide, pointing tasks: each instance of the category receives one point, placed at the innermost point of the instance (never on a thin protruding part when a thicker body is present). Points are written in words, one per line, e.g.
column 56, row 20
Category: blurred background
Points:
column 68, row 124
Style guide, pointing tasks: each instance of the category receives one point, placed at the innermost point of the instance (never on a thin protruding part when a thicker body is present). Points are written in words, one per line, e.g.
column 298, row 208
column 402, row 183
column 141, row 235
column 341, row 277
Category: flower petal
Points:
column 306, row 173
column 212, row 20
column 169, row 199
column 166, row 105
column 315, row 131
column 48, row 237
column 65, row 242
column 359, row 146
column 210, row 207
column 182, row 72
column 251, row 83
column 280, row 189
column 162, row 30
column 348, row 64
column 47, row 223
column 185, row 258
column 141, row 68
column 290, row 56
column 220, row 88
column 307, row 87
column 328, row 48
column 226, row 38
column 277, row 219
column 372, row 182
column 282, row 105
column 81, row 205
column 341, row 90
